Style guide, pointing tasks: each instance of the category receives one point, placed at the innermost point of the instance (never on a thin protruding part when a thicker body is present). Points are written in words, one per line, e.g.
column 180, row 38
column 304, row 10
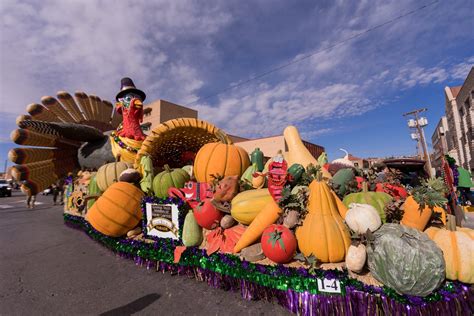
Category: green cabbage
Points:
column 406, row 260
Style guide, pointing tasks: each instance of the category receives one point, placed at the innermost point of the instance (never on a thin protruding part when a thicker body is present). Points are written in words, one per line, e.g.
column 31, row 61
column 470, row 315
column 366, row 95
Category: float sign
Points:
column 162, row 220
column 329, row 285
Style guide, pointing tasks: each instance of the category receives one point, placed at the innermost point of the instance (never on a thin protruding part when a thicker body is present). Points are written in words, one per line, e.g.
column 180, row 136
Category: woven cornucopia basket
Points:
column 168, row 141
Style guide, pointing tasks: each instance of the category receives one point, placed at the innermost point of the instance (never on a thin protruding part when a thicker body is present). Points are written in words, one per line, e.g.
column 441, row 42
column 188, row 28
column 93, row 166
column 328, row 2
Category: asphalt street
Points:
column 47, row 268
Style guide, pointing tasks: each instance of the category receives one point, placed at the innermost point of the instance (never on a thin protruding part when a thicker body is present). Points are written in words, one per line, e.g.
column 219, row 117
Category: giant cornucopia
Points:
column 312, row 234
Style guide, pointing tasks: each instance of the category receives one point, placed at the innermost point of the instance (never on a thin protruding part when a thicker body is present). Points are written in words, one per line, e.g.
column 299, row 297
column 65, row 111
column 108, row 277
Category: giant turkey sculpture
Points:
column 70, row 133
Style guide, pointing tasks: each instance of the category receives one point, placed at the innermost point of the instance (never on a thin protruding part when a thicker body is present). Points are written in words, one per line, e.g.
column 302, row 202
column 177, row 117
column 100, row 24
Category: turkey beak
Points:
column 138, row 104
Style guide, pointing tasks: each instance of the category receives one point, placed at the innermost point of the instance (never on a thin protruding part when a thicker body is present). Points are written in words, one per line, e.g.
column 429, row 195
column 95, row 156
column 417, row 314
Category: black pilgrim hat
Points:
column 126, row 86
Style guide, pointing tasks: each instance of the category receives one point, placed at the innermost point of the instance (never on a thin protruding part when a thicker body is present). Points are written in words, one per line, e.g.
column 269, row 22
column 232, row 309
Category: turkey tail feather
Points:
column 31, row 138
column 107, row 110
column 77, row 132
column 69, row 104
column 41, row 113
column 30, row 155
column 95, row 102
column 45, row 168
column 40, row 175
column 54, row 106
column 86, row 106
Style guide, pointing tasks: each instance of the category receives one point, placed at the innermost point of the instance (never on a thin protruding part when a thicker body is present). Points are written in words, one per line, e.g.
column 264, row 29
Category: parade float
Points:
column 317, row 237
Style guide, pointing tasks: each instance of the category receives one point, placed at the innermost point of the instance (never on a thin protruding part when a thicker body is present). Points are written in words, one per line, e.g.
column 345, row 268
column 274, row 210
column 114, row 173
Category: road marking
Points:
column 5, row 206
column 36, row 203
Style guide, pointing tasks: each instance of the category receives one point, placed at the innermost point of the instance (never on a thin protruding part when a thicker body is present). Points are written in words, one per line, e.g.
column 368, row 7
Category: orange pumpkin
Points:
column 458, row 250
column 416, row 218
column 117, row 210
column 323, row 233
column 220, row 159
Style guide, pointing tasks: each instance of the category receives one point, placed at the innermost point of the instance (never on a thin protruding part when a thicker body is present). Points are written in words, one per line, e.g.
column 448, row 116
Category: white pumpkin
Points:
column 361, row 217
column 344, row 161
column 355, row 258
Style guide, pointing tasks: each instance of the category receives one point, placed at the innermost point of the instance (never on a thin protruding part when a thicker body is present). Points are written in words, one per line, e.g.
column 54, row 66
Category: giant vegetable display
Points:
column 298, row 216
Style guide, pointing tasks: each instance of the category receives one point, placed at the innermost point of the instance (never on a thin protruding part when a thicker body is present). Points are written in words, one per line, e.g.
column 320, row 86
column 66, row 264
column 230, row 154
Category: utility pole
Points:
column 419, row 123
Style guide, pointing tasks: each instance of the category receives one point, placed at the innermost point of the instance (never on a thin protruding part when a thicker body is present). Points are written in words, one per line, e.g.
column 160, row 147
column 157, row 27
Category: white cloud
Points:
column 460, row 71
column 89, row 45
column 411, row 76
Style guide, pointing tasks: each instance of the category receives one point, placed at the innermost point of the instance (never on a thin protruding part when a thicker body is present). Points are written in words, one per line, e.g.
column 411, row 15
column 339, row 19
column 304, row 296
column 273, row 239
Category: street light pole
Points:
column 418, row 124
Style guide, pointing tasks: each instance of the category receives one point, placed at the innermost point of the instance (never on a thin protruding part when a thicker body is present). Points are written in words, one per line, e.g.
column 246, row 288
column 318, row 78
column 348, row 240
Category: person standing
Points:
column 58, row 191
column 55, row 191
column 30, row 197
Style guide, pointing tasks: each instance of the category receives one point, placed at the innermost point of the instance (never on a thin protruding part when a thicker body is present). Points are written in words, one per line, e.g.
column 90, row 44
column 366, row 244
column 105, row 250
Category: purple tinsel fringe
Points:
column 355, row 302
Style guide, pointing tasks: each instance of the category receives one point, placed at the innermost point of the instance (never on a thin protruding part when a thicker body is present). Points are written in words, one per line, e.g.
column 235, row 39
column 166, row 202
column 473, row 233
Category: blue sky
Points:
column 351, row 96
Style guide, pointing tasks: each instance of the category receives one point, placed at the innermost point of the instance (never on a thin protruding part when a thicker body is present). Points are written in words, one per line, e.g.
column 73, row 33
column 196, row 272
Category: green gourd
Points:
column 247, row 175
column 192, row 232
column 146, row 166
column 170, row 178
column 296, row 170
column 341, row 178
column 257, row 157
column 376, row 199
column 92, row 189
column 406, row 260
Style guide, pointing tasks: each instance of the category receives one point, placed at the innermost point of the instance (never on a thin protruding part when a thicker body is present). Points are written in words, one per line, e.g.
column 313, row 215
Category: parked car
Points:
column 5, row 188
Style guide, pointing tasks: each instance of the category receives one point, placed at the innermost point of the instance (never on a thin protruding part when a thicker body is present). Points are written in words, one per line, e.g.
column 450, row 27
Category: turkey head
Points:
column 131, row 108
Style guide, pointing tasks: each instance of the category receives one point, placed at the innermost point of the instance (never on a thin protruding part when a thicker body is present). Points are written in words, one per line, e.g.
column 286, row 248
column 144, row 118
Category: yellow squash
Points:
column 298, row 153
column 247, row 204
column 323, row 233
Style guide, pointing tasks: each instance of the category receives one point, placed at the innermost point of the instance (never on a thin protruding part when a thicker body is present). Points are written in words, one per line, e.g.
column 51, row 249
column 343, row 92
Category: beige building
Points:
column 160, row 111
column 439, row 139
column 271, row 145
column 359, row 162
column 460, row 118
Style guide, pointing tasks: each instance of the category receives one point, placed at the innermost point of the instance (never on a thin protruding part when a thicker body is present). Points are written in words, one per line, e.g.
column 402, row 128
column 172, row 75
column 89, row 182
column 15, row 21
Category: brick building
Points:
column 440, row 140
column 460, row 118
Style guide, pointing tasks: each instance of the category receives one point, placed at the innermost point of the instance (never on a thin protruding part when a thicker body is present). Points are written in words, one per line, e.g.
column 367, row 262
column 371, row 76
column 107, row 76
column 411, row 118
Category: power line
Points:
column 266, row 73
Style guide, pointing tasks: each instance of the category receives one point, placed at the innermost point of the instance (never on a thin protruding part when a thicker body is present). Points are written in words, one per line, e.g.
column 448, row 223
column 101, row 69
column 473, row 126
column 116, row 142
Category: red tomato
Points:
column 207, row 215
column 278, row 243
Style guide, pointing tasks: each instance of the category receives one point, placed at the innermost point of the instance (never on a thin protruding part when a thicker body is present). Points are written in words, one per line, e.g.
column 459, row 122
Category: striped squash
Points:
column 117, row 211
column 109, row 174
column 323, row 233
column 247, row 204
column 220, row 159
column 458, row 251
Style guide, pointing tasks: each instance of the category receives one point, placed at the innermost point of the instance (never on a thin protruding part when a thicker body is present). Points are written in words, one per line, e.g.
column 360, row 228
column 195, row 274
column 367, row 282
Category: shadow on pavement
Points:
column 133, row 307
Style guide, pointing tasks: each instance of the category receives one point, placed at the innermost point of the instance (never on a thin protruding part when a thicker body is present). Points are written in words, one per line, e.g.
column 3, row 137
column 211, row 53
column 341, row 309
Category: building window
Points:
column 146, row 126
column 147, row 112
